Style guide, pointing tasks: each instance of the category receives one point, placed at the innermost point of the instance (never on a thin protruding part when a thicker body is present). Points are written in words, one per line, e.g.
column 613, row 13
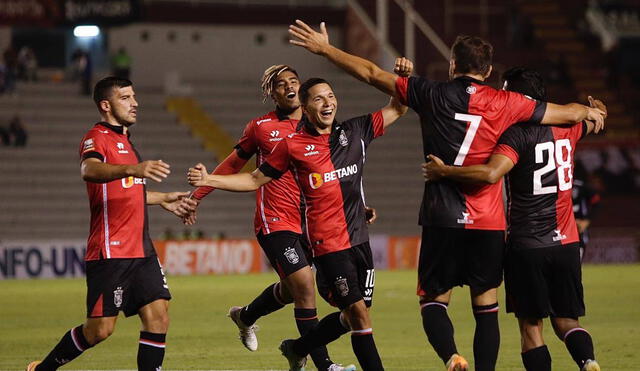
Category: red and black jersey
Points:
column 541, row 209
column 328, row 168
column 278, row 203
column 119, row 222
column 461, row 122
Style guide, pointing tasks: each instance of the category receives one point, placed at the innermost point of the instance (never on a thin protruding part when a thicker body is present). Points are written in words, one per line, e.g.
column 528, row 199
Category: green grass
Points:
column 35, row 314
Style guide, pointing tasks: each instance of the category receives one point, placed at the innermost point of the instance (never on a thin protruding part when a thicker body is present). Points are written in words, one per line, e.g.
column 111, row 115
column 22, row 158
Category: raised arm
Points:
column 488, row 173
column 360, row 68
column 574, row 112
column 244, row 182
column 96, row 171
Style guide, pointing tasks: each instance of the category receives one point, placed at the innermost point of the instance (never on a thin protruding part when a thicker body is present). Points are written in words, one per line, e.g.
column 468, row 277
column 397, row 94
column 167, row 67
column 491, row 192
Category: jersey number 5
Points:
column 554, row 162
column 474, row 122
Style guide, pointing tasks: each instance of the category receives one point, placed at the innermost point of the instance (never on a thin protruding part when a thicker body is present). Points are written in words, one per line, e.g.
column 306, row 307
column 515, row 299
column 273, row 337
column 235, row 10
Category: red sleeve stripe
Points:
column 402, row 86
column 378, row 123
column 507, row 150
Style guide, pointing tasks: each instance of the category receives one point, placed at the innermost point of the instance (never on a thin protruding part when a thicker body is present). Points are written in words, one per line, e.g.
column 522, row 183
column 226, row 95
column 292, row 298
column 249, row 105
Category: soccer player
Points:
column 278, row 219
column 123, row 271
column 462, row 225
column 326, row 158
column 542, row 270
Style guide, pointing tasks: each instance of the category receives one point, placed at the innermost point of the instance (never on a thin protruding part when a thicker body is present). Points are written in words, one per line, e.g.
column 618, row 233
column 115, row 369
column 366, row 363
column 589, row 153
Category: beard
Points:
column 122, row 120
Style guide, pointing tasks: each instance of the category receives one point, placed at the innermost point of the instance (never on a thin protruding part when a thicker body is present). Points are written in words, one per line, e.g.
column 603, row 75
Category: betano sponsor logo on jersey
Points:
column 316, row 180
column 131, row 181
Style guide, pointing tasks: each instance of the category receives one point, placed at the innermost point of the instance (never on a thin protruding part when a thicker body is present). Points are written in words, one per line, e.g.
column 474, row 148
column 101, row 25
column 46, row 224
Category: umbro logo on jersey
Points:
column 559, row 236
column 311, row 150
column 274, row 136
column 121, row 148
column 261, row 121
column 131, row 181
column 465, row 219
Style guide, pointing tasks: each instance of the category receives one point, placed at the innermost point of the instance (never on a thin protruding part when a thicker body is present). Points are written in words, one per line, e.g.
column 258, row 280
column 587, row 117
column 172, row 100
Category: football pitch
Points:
column 35, row 314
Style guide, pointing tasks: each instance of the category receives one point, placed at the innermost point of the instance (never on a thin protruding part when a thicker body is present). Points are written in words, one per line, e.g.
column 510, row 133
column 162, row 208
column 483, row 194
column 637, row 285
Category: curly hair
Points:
column 269, row 77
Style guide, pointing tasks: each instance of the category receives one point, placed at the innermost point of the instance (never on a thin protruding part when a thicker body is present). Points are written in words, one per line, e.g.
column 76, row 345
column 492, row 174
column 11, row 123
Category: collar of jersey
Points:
column 282, row 114
column 468, row 78
column 311, row 129
column 117, row 129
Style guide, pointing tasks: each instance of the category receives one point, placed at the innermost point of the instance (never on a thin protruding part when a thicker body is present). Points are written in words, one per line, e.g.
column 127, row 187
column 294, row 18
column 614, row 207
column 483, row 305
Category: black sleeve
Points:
column 270, row 171
column 538, row 112
column 242, row 153
column 92, row 154
column 362, row 127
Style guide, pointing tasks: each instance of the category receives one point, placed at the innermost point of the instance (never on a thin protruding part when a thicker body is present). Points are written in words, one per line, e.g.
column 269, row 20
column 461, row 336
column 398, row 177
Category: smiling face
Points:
column 321, row 106
column 285, row 91
column 122, row 106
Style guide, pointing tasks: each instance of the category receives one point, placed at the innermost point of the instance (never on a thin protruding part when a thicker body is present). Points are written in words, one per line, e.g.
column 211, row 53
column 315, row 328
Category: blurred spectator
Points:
column 82, row 68
column 121, row 63
column 18, row 132
column 10, row 58
column 585, row 198
column 5, row 138
column 27, row 64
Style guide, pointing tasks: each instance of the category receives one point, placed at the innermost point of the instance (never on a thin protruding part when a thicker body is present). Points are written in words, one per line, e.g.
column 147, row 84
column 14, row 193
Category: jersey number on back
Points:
column 555, row 161
column 474, row 122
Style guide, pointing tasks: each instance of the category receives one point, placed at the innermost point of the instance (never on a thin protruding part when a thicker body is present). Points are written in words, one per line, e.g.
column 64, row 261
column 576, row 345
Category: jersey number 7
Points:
column 554, row 162
column 474, row 123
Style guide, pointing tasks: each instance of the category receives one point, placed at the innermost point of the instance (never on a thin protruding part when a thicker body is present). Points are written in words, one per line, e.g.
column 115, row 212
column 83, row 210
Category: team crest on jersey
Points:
column 471, row 89
column 559, row 236
column 343, row 139
column 465, row 219
column 117, row 297
column 341, row 286
column 291, row 255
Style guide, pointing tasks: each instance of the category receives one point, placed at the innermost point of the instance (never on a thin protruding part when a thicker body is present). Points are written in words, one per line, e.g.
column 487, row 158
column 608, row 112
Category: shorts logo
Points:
column 117, row 297
column 465, row 219
column 315, row 180
column 471, row 89
column 291, row 255
column 342, row 286
column 559, row 236
column 343, row 139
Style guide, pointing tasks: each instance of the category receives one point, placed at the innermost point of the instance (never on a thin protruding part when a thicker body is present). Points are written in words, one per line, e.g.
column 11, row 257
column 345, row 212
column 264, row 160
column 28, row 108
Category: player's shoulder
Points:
column 98, row 131
column 267, row 117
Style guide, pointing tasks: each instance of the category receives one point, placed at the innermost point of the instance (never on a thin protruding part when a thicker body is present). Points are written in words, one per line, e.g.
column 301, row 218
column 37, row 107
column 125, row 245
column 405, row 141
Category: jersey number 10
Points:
column 554, row 162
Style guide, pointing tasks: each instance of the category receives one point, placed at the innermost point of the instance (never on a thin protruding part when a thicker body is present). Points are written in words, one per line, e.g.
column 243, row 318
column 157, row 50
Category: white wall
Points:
column 223, row 52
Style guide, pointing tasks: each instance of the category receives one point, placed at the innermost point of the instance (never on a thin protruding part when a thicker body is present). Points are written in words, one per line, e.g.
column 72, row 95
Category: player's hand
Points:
column 178, row 203
column 597, row 104
column 370, row 214
column 191, row 217
column 197, row 175
column 306, row 37
column 434, row 169
column 156, row 170
column 596, row 116
column 403, row 67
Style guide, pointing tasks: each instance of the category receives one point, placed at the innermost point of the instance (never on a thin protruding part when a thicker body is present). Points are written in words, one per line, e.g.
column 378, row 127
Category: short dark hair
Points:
column 104, row 88
column 303, row 92
column 472, row 55
column 525, row 81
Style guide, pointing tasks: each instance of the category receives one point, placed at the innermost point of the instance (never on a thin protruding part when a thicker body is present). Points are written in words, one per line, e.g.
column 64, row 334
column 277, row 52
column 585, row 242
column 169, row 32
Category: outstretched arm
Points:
column 488, row 173
column 556, row 114
column 96, row 171
column 244, row 182
column 360, row 68
column 176, row 203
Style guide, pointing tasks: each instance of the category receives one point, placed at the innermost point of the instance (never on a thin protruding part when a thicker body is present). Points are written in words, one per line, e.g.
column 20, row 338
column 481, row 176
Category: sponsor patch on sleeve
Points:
column 88, row 145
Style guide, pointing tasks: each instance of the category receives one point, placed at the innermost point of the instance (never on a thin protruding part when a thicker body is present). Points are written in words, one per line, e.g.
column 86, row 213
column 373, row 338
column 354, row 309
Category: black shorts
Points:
column 347, row 276
column 287, row 252
column 126, row 285
column 454, row 257
column 544, row 282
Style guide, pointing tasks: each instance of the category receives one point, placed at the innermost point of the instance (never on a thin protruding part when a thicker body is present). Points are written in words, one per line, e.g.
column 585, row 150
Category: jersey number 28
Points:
column 555, row 161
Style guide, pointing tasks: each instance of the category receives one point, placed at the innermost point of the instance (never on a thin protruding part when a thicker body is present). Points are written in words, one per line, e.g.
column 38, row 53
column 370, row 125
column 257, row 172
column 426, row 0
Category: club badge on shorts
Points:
column 117, row 296
column 291, row 255
column 342, row 286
